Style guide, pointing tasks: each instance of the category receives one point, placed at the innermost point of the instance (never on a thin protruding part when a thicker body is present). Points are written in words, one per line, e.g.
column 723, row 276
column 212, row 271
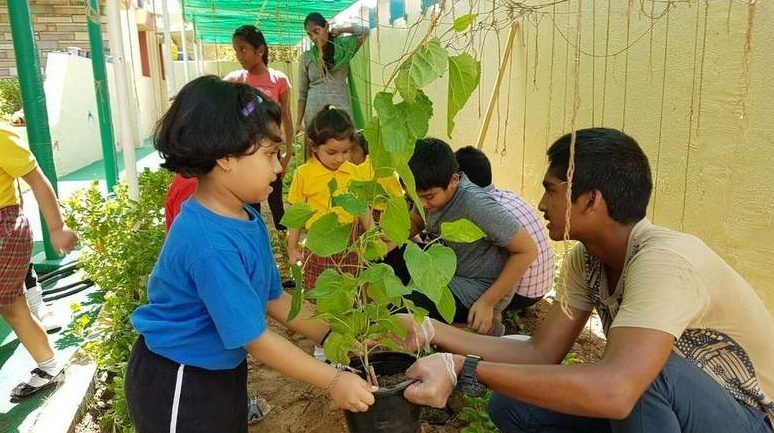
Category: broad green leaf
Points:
column 375, row 273
column 338, row 346
column 418, row 312
column 462, row 231
column 298, row 293
column 328, row 236
column 394, row 134
column 349, row 202
column 359, row 321
column 329, row 284
column 406, row 85
column 395, row 220
column 388, row 343
column 446, row 305
column 337, row 325
column 445, row 262
column 417, row 116
column 333, row 186
column 394, row 287
column 297, row 215
column 404, row 171
column 423, row 273
column 375, row 249
column 427, row 64
column 402, row 124
column 463, row 22
column 377, row 293
column 464, row 76
column 396, row 326
column 367, row 190
column 337, row 303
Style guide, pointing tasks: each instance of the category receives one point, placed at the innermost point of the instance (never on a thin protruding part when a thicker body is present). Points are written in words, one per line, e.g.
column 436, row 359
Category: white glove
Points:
column 436, row 378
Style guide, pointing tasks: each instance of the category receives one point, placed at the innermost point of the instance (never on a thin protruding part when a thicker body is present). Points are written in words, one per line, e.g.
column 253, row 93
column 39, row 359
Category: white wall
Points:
column 72, row 111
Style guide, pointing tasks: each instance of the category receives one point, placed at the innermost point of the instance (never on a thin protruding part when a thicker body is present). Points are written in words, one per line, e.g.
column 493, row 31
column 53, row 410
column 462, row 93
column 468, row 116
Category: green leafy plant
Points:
column 10, row 97
column 123, row 239
column 476, row 414
column 360, row 306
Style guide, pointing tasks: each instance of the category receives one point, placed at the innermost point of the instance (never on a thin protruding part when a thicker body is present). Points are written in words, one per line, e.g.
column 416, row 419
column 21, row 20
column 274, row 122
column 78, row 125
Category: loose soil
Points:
column 301, row 408
column 391, row 380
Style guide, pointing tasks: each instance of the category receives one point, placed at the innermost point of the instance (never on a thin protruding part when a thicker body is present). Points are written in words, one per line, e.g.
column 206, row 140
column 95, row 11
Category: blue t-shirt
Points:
column 209, row 290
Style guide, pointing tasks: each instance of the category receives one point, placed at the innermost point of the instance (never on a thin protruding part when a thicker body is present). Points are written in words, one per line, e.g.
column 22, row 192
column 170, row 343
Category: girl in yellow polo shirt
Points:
column 15, row 253
column 330, row 136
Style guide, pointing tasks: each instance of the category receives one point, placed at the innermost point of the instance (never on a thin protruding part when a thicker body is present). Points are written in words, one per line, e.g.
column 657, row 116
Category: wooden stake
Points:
column 496, row 90
column 372, row 373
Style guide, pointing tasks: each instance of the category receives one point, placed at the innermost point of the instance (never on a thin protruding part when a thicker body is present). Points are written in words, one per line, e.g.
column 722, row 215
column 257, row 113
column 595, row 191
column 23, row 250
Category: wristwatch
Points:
column 467, row 382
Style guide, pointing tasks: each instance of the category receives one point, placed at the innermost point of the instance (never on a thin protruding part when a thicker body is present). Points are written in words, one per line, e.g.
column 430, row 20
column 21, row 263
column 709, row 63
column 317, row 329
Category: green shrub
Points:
column 10, row 97
column 123, row 239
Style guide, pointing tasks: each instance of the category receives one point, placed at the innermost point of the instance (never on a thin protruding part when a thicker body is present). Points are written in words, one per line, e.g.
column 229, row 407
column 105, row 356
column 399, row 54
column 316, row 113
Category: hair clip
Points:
column 250, row 107
column 331, row 107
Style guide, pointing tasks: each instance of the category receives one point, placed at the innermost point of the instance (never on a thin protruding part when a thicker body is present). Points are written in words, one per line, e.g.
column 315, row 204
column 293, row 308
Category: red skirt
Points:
column 15, row 253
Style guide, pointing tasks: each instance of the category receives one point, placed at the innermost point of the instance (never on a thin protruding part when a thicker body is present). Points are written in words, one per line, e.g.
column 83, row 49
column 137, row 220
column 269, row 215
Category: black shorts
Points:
column 164, row 396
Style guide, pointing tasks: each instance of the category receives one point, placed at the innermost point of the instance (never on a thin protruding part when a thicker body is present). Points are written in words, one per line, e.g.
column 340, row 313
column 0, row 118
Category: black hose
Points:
column 55, row 293
column 86, row 285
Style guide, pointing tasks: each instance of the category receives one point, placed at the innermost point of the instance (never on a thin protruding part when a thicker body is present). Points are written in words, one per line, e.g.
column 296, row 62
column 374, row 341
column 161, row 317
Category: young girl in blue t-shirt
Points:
column 216, row 279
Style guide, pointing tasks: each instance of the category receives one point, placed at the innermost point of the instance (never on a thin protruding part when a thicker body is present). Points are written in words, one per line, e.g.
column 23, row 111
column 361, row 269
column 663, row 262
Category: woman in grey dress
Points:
column 324, row 79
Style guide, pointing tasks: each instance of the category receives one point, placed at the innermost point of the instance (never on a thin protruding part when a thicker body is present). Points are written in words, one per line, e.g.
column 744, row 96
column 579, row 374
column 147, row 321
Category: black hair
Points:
column 330, row 123
column 361, row 141
column 329, row 50
column 609, row 161
column 254, row 37
column 433, row 164
column 474, row 163
column 317, row 19
column 211, row 119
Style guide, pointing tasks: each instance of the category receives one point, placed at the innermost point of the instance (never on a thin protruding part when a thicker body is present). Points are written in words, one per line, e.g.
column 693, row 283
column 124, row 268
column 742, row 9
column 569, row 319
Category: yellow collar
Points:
column 317, row 168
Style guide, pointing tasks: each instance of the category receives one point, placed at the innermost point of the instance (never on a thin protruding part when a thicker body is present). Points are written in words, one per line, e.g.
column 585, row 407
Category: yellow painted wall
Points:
column 706, row 125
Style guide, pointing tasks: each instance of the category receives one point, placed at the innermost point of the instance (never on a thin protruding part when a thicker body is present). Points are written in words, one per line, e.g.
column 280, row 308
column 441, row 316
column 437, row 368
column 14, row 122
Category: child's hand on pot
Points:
column 436, row 378
column 351, row 392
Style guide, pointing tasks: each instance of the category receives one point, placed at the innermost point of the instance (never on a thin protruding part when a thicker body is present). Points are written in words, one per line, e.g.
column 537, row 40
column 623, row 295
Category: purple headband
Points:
column 250, row 107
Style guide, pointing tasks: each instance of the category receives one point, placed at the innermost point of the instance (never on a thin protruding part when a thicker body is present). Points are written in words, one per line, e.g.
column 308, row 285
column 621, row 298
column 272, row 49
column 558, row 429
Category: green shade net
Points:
column 281, row 21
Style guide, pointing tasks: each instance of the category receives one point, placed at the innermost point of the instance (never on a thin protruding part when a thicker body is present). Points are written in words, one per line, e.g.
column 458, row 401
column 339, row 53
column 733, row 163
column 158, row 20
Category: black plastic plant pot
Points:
column 391, row 412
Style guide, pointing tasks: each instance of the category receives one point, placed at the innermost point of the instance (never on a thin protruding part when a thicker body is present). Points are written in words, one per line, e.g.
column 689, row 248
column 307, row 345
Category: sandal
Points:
column 257, row 409
column 24, row 390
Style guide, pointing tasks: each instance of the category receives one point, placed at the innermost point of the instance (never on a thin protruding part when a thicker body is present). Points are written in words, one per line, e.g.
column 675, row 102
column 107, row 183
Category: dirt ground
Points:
column 297, row 407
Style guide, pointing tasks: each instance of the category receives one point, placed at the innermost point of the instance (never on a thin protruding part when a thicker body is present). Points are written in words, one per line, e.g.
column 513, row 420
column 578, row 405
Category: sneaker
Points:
column 257, row 409
column 319, row 354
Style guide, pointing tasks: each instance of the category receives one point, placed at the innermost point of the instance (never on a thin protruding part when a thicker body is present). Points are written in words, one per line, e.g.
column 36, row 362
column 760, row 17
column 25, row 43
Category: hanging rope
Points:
column 524, row 108
column 626, row 64
column 607, row 49
column 690, row 117
column 507, row 107
column 551, row 80
column 571, row 163
column 661, row 115
column 650, row 49
column 566, row 72
column 744, row 79
column 701, row 73
column 593, row 61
